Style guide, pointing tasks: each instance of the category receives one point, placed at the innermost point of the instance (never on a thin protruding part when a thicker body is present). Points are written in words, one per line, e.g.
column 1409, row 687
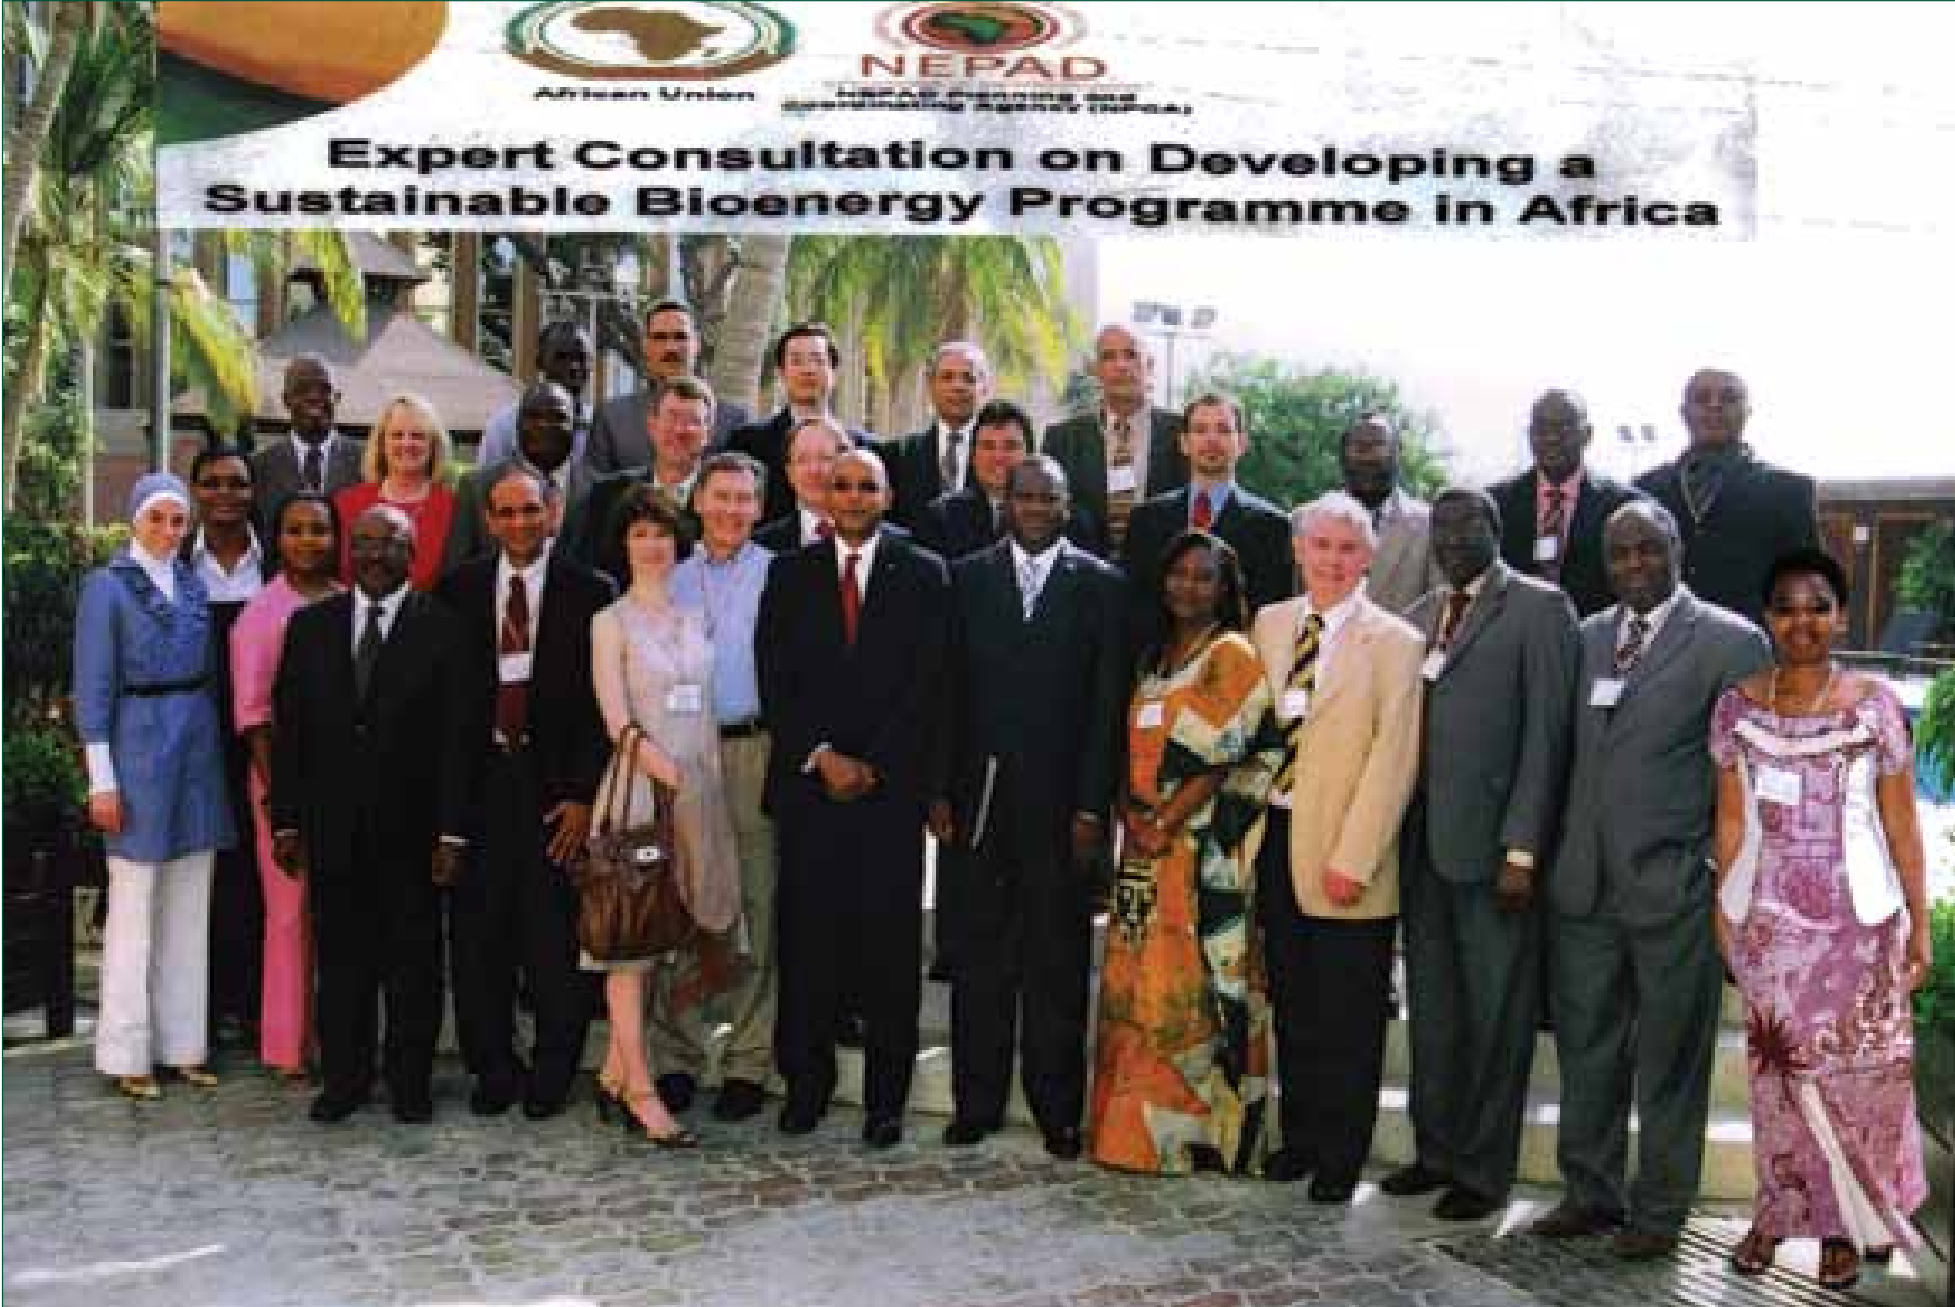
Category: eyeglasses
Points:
column 223, row 483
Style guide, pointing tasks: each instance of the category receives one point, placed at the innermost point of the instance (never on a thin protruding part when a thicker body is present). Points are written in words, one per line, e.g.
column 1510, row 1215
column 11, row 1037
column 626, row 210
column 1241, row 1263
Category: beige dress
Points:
column 657, row 670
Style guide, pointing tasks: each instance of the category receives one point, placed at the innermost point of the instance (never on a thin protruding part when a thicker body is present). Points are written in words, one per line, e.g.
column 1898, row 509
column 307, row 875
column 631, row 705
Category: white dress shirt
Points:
column 864, row 565
column 390, row 608
column 239, row 585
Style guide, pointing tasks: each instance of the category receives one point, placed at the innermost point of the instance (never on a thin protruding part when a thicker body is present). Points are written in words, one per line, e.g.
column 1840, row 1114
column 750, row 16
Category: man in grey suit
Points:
column 1499, row 673
column 1125, row 453
column 544, row 432
column 619, row 439
column 1636, row 976
column 315, row 457
column 1402, row 570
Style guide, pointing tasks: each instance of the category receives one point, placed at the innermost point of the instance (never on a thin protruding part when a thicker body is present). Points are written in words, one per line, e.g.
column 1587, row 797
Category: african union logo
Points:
column 650, row 40
column 980, row 27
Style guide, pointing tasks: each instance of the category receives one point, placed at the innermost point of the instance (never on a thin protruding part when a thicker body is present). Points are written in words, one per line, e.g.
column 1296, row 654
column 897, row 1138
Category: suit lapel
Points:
column 1353, row 652
column 1668, row 644
column 1480, row 614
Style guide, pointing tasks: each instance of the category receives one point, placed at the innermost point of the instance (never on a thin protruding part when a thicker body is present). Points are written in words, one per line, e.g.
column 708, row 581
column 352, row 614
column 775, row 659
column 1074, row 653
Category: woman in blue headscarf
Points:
column 145, row 701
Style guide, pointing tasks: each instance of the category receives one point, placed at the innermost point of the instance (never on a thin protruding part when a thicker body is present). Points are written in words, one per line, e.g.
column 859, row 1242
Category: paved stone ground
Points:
column 232, row 1198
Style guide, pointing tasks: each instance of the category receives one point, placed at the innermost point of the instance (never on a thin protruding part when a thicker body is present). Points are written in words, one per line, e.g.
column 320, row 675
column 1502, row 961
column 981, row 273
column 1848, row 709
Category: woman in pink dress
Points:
column 406, row 467
column 307, row 533
column 1823, row 922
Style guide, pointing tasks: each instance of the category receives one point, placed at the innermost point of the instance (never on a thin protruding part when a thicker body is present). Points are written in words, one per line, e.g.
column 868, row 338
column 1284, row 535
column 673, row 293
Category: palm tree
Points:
column 743, row 321
column 30, row 129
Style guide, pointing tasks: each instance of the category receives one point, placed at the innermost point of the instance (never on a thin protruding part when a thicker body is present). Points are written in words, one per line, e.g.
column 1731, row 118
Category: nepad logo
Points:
column 980, row 28
column 619, row 40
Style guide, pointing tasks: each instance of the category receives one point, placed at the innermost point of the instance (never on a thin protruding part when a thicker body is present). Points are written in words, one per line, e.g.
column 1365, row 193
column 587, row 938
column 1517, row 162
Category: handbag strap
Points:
column 614, row 805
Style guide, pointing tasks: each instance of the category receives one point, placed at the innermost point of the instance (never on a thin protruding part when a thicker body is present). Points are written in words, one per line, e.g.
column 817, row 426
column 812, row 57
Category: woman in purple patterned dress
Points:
column 1824, row 924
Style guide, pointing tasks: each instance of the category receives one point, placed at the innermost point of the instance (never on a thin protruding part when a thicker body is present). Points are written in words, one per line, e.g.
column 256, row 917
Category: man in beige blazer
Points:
column 1345, row 674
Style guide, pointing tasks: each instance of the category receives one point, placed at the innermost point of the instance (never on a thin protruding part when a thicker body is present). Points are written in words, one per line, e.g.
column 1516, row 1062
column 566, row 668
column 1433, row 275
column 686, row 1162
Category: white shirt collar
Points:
column 1338, row 613
column 325, row 447
column 253, row 557
column 390, row 607
column 867, row 549
column 811, row 524
column 1041, row 561
column 532, row 575
column 1656, row 617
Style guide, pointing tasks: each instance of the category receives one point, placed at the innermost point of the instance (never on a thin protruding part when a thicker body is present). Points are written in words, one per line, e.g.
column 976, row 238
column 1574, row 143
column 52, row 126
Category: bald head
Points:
column 858, row 495
column 311, row 397
column 1558, row 433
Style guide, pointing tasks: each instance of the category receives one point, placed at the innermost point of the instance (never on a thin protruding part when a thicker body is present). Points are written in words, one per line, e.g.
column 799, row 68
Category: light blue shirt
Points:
column 727, row 595
column 498, row 443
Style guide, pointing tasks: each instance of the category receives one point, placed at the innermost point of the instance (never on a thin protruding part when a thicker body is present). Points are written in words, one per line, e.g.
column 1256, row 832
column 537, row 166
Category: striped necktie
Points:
column 1303, row 676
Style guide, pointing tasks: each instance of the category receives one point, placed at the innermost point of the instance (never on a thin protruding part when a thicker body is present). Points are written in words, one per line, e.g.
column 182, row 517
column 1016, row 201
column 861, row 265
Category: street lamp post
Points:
column 1165, row 320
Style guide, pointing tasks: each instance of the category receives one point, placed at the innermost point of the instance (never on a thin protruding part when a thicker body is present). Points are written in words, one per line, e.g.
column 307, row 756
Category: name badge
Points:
column 685, row 700
column 1434, row 664
column 1605, row 693
column 513, row 669
column 1121, row 480
column 1547, row 548
column 1776, row 786
column 1294, row 705
column 1149, row 716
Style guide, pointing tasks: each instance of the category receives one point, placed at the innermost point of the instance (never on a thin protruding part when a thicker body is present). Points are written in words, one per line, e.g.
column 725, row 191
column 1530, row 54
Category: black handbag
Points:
column 628, row 902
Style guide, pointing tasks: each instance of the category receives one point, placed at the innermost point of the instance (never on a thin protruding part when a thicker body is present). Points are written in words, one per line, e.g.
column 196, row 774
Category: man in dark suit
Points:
column 939, row 459
column 1637, row 980
column 372, row 788
column 812, row 448
column 526, row 610
column 619, row 438
column 543, row 444
column 1735, row 511
column 964, row 521
column 1213, row 439
column 1499, row 677
column 851, row 644
column 1039, row 680
column 1125, row 453
column 315, row 457
column 1551, row 515
column 681, row 422
column 806, row 358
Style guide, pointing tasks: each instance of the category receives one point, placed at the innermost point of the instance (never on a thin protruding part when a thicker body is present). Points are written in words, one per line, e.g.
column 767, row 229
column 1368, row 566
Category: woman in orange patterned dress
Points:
column 1181, row 1061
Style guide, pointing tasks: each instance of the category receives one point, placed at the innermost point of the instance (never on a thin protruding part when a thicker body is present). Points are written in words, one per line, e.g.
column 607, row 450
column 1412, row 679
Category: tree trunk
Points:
column 747, row 333
column 29, row 135
column 33, row 361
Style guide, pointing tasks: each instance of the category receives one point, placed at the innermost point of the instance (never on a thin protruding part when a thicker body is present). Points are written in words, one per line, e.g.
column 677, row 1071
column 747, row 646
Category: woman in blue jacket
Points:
column 145, row 701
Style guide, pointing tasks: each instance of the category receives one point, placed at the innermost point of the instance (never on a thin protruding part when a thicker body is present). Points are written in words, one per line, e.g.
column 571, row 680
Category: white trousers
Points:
column 155, row 966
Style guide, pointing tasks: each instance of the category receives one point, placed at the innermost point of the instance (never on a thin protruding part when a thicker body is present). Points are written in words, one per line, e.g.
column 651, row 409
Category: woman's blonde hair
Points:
column 373, row 460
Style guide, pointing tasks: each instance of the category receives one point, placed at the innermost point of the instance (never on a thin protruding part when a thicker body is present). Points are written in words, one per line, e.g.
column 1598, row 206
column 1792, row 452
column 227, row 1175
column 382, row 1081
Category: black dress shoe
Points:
column 739, row 1100
column 492, row 1097
column 1332, row 1189
column 963, row 1134
column 676, row 1090
column 1286, row 1166
column 541, row 1107
column 799, row 1119
column 335, row 1105
column 1462, row 1204
column 412, row 1108
column 1567, row 1221
column 852, row 1032
column 1065, row 1143
column 1411, row 1181
column 882, row 1132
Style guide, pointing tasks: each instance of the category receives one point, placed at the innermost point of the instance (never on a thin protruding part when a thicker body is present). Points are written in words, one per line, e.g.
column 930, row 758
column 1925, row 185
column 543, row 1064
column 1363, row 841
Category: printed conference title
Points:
column 1251, row 190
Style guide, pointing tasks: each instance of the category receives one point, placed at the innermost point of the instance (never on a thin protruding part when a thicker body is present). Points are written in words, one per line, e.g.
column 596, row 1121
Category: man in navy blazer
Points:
column 1038, row 683
column 1551, row 515
column 806, row 358
column 1127, row 451
column 851, row 643
column 940, row 459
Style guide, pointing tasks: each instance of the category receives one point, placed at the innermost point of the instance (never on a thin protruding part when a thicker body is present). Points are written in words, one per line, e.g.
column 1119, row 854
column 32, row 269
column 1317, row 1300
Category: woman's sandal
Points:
column 200, row 1076
column 142, row 1089
column 677, row 1137
column 607, row 1094
column 1880, row 1254
column 1839, row 1264
column 1755, row 1253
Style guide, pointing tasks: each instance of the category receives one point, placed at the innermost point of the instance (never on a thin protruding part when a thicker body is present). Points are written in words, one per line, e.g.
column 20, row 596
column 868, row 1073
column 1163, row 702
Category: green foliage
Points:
column 1934, row 735
column 1927, row 580
column 45, row 562
column 1297, row 417
column 1934, row 1002
column 45, row 789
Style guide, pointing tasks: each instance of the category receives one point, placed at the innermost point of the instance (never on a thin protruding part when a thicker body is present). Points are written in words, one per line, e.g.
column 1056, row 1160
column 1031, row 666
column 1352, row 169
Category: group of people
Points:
column 1540, row 726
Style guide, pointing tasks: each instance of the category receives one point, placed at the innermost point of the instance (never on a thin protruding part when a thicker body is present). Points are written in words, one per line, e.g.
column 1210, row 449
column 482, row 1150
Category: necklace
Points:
column 1812, row 704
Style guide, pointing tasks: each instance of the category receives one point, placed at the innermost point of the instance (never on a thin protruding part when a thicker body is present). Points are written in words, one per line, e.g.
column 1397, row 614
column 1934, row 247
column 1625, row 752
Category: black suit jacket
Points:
column 1256, row 529
column 767, row 441
column 879, row 701
column 1079, row 446
column 916, row 474
column 959, row 524
column 567, row 738
column 1584, row 577
column 594, row 544
column 402, row 764
column 1760, row 513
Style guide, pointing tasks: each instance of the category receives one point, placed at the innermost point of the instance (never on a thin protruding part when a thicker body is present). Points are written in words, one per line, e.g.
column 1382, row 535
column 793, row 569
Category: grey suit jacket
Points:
column 1402, row 570
column 1641, row 794
column 1494, row 748
column 619, row 440
column 468, row 534
column 275, row 472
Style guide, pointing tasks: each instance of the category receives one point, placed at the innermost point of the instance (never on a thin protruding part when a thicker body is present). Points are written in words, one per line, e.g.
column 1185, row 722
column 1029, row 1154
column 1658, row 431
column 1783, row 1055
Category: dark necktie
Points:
column 1703, row 478
column 366, row 654
column 953, row 438
column 512, row 697
column 851, row 597
column 1303, row 676
column 1631, row 651
column 1551, row 523
column 1204, row 515
column 313, row 470
column 1457, row 602
column 1120, row 453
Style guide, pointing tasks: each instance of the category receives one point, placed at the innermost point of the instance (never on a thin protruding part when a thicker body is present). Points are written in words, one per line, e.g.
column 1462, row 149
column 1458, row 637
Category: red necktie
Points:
column 512, row 697
column 1204, row 515
column 824, row 530
column 1456, row 604
column 851, row 597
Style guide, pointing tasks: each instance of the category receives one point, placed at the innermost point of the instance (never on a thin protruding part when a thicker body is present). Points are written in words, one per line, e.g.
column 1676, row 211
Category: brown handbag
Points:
column 628, row 901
